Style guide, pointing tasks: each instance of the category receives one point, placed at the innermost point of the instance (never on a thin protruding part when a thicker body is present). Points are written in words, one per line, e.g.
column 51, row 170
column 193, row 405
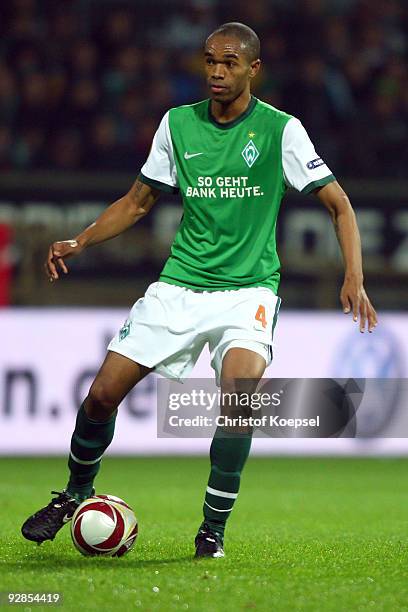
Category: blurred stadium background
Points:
column 83, row 85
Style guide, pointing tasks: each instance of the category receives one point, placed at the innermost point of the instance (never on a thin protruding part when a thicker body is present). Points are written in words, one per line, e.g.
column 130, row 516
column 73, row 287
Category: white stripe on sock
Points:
column 217, row 509
column 85, row 462
column 222, row 493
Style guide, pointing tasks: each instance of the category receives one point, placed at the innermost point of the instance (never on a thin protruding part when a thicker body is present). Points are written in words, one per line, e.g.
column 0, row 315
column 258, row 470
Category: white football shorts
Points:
column 168, row 328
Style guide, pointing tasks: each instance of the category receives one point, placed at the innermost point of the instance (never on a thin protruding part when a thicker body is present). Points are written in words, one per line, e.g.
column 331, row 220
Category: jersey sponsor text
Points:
column 223, row 187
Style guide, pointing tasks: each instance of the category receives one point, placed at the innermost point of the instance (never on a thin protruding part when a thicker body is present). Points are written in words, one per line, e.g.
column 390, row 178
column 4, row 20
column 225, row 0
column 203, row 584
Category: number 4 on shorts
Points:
column 261, row 315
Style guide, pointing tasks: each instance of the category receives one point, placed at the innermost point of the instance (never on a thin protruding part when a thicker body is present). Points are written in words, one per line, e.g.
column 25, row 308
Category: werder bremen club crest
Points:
column 250, row 153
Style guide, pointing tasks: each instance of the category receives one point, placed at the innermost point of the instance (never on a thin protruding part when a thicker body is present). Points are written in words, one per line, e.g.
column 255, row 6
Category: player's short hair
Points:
column 248, row 38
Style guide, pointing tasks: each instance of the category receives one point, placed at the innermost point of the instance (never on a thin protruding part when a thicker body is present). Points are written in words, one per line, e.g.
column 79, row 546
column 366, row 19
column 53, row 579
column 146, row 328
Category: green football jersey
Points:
column 232, row 179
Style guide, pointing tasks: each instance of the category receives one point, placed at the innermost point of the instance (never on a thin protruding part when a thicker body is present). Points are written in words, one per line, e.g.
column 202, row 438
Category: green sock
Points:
column 228, row 454
column 88, row 443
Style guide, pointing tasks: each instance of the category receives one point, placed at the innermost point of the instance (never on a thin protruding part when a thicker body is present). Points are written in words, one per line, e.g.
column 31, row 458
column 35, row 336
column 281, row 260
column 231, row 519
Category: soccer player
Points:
column 232, row 157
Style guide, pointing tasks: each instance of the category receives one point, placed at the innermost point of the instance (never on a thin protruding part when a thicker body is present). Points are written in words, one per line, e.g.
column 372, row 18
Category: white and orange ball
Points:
column 104, row 525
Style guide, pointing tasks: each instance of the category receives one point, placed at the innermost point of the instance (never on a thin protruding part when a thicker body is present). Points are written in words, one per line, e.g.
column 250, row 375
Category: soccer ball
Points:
column 104, row 525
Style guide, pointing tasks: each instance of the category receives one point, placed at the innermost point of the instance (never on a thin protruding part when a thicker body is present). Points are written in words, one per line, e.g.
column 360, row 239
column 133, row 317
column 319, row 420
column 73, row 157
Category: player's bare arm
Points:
column 117, row 218
column 353, row 296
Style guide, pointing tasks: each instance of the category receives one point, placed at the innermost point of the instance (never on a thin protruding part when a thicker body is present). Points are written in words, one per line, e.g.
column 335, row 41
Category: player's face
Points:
column 228, row 68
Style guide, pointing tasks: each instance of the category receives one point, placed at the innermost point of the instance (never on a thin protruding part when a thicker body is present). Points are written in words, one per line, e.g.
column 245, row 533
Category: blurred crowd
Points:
column 84, row 83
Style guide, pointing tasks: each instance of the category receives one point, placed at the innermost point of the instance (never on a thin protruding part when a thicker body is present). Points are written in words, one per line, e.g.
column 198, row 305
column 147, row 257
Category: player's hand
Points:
column 354, row 299
column 57, row 254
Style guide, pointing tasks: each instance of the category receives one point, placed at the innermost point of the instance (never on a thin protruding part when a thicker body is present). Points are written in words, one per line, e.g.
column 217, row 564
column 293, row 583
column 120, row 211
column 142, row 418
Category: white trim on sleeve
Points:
column 302, row 166
column 160, row 165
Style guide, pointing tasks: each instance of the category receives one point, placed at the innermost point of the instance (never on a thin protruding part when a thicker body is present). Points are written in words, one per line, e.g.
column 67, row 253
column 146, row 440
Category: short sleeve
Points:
column 303, row 169
column 160, row 169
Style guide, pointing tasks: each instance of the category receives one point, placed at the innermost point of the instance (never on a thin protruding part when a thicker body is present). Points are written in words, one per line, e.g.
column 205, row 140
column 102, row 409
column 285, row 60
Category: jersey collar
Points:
column 229, row 124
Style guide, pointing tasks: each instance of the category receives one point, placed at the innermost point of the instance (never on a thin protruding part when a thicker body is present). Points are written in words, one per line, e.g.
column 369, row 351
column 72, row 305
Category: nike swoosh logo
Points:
column 190, row 155
column 67, row 518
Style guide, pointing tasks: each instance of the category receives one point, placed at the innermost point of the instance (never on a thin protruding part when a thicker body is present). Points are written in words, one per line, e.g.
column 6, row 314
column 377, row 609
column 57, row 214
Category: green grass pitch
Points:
column 306, row 534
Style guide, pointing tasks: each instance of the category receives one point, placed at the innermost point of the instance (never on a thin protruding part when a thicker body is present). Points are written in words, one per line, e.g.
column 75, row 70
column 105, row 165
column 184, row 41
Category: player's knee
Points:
column 245, row 381
column 236, row 389
column 241, row 365
column 101, row 402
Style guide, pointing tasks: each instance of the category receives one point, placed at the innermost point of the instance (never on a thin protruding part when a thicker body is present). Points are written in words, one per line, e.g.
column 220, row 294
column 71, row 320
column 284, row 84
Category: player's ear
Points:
column 255, row 65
